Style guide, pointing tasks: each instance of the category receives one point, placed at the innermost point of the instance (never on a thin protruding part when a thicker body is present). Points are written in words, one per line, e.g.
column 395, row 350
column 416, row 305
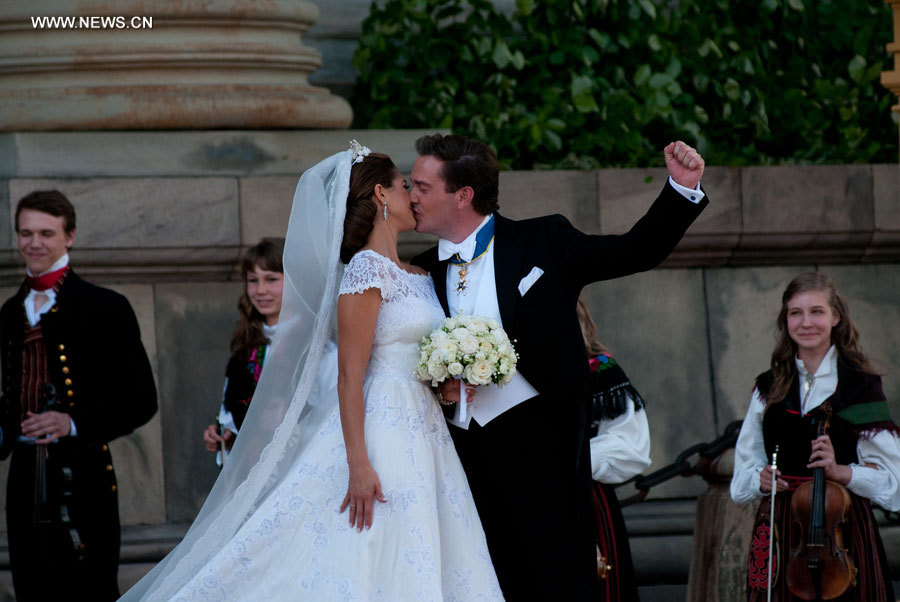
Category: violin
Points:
column 47, row 513
column 820, row 567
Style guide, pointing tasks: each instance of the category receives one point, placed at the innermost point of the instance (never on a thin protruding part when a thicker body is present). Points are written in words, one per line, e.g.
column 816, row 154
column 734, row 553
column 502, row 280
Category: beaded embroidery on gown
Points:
column 426, row 542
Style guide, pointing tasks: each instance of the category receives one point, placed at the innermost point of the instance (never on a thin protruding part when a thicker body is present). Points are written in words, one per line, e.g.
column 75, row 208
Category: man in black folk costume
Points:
column 525, row 446
column 75, row 377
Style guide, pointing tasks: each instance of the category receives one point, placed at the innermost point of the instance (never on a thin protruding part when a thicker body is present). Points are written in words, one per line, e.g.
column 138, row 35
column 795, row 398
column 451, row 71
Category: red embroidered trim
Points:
column 758, row 562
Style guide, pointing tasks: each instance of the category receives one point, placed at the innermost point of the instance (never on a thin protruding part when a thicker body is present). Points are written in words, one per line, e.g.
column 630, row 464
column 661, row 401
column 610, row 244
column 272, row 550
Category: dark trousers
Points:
column 46, row 560
column 529, row 471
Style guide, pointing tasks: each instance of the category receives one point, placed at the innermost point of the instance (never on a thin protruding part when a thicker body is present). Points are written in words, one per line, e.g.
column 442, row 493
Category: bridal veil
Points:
column 297, row 386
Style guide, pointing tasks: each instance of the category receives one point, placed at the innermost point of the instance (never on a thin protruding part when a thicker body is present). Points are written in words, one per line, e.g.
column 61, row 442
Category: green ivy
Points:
column 587, row 83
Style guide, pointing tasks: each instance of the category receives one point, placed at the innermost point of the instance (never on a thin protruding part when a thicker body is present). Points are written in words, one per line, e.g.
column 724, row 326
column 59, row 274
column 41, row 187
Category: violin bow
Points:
column 772, row 521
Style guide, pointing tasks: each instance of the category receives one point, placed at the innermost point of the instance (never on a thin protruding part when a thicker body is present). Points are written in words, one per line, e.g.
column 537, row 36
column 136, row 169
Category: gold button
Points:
column 62, row 358
column 105, row 447
column 109, row 467
column 113, row 487
column 71, row 404
column 70, row 393
column 62, row 347
column 65, row 369
column 68, row 381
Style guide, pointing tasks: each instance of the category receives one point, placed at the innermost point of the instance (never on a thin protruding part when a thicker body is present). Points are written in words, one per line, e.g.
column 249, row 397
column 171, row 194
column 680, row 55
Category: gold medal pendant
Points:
column 462, row 284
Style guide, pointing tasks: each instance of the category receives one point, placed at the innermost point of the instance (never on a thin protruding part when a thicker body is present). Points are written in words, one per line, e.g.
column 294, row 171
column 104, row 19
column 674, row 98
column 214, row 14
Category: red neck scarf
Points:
column 42, row 283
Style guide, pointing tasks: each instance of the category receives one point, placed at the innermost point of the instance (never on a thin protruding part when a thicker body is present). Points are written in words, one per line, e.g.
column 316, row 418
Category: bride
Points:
column 340, row 492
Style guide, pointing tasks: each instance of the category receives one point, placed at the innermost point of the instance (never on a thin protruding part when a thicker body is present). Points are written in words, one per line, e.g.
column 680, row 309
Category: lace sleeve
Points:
column 366, row 270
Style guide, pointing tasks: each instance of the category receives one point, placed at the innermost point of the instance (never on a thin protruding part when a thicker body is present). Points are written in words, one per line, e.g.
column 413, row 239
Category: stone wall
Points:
column 163, row 217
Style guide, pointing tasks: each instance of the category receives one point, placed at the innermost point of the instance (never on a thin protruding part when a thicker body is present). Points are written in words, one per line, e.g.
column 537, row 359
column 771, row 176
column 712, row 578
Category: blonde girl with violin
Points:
column 818, row 373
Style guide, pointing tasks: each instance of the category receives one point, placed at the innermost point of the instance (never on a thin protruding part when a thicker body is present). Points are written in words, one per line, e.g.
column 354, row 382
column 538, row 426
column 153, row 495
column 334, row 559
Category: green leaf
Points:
column 502, row 56
column 648, row 8
column 654, row 43
column 581, row 84
column 601, row 39
column 553, row 140
column 796, row 5
column 590, row 55
column 732, row 89
column 701, row 115
column 659, row 80
column 525, row 6
column 857, row 68
column 674, row 67
column 642, row 75
column 518, row 60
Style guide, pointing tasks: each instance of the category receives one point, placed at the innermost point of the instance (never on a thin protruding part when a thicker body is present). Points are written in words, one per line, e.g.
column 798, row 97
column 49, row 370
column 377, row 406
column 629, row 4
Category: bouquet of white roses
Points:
column 473, row 349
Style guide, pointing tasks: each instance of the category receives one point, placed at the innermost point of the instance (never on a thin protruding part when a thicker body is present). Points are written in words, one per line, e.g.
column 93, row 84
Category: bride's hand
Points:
column 363, row 490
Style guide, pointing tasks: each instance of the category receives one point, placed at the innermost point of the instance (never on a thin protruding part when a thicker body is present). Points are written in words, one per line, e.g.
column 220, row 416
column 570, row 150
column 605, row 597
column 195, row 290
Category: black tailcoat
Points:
column 529, row 468
column 103, row 378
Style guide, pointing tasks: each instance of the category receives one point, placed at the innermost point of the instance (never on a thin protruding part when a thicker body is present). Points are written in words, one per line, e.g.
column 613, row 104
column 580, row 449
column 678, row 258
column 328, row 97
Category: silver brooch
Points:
column 360, row 152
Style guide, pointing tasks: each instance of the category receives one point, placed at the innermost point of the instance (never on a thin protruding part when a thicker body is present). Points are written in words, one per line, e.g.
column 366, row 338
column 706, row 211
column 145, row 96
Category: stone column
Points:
column 161, row 64
column 891, row 79
column 721, row 538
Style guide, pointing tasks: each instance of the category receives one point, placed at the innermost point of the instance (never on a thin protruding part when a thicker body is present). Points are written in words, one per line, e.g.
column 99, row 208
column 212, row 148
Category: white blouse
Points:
column 621, row 448
column 880, row 485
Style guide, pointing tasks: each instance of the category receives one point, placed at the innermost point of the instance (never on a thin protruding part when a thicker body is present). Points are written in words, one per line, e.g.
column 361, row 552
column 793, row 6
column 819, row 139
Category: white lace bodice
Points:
column 409, row 310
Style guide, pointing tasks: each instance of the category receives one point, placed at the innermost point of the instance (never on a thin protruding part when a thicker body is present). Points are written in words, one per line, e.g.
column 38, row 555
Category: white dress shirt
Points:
column 480, row 299
column 881, row 485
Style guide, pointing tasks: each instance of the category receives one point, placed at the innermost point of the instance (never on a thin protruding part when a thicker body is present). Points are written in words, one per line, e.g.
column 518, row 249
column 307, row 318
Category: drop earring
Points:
column 385, row 210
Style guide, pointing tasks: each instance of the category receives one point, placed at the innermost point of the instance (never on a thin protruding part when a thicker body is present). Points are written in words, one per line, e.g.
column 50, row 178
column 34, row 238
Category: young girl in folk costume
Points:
column 620, row 450
column 818, row 372
column 259, row 307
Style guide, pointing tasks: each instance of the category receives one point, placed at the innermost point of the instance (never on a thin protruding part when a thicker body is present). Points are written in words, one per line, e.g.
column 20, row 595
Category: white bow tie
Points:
column 465, row 249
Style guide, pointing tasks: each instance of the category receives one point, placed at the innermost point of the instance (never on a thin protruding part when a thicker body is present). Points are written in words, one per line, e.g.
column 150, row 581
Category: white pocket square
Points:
column 528, row 281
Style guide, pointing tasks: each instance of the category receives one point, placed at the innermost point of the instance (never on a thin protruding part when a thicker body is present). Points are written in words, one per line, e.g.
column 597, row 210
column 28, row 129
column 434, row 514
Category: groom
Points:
column 526, row 453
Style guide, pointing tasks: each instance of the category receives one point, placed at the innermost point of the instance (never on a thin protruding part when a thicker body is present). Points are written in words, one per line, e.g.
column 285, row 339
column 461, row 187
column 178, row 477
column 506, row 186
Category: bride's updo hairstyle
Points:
column 374, row 169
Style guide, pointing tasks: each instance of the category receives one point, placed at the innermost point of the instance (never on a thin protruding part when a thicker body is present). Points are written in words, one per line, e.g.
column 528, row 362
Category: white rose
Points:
column 455, row 369
column 477, row 325
column 451, row 323
column 494, row 324
column 438, row 371
column 460, row 333
column 468, row 345
column 448, row 351
column 506, row 378
column 438, row 337
column 479, row 373
column 486, row 347
column 422, row 372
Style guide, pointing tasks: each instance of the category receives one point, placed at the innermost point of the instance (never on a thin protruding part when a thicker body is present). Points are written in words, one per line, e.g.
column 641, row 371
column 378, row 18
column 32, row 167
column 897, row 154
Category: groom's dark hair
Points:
column 467, row 162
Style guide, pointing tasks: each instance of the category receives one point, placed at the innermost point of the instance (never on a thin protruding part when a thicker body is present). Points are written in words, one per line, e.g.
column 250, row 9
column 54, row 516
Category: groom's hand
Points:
column 685, row 164
column 449, row 390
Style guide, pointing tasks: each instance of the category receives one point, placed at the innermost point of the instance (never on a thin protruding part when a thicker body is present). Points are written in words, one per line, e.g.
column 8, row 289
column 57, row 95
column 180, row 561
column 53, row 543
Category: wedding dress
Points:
column 426, row 541
column 270, row 528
